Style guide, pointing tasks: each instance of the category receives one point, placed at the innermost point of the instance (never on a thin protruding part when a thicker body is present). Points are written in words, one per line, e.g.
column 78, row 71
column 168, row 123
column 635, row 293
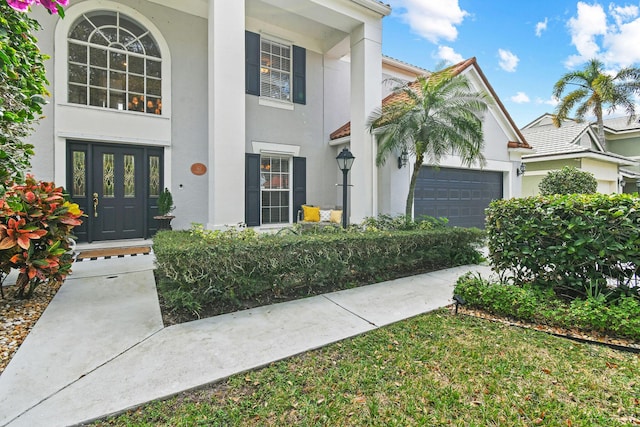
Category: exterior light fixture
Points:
column 345, row 161
column 403, row 159
column 521, row 170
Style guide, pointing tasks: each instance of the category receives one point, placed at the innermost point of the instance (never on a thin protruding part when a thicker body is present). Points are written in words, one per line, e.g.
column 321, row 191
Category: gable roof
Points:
column 552, row 142
column 621, row 124
column 345, row 130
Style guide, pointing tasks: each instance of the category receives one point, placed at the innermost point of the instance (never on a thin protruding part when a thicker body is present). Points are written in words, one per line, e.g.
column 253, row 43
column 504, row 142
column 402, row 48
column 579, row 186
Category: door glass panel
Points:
column 129, row 176
column 79, row 174
column 108, row 175
column 154, row 176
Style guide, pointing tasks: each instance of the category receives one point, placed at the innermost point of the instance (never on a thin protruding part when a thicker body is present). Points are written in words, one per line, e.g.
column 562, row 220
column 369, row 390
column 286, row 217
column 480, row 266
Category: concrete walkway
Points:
column 100, row 347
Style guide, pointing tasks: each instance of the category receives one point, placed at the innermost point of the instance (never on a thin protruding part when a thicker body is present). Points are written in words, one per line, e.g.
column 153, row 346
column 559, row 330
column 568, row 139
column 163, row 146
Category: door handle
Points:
column 95, row 205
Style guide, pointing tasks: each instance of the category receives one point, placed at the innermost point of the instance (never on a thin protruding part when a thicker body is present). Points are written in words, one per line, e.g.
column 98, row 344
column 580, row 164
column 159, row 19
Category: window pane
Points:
column 135, row 65
column 81, row 31
column 77, row 94
column 77, row 73
column 117, row 80
column 108, row 174
column 99, row 38
column 136, row 47
column 79, row 174
column 136, row 84
column 153, row 87
column 126, row 38
column 98, row 57
column 153, row 106
column 136, row 103
column 154, row 176
column 150, row 46
column 98, row 97
column 77, row 53
column 131, row 26
column 110, row 34
column 98, row 77
column 129, row 175
column 117, row 61
column 116, row 100
column 153, row 68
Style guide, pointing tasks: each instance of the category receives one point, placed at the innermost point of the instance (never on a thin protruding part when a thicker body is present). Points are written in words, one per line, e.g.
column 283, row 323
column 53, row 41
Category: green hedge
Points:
column 195, row 271
column 620, row 317
column 570, row 242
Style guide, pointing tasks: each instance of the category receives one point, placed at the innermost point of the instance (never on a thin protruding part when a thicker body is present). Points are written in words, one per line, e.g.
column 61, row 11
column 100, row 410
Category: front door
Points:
column 117, row 186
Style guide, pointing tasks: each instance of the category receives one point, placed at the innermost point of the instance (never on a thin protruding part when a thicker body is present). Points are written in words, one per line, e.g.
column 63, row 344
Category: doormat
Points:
column 93, row 254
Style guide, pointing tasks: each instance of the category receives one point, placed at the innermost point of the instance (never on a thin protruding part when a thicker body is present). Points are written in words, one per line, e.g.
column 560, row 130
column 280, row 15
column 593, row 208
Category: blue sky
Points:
column 523, row 46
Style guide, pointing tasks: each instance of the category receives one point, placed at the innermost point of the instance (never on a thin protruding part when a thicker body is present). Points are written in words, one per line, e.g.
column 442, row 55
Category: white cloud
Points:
column 432, row 20
column 551, row 101
column 508, row 60
column 447, row 54
column 520, row 98
column 623, row 14
column 622, row 45
column 590, row 22
column 541, row 27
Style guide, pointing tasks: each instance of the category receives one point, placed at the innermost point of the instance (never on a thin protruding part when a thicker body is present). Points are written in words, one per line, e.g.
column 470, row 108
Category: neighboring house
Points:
column 623, row 138
column 229, row 104
column 572, row 144
column 452, row 190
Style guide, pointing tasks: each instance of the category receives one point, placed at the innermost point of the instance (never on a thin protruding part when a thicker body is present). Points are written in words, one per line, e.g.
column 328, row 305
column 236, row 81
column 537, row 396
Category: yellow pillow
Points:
column 336, row 216
column 311, row 213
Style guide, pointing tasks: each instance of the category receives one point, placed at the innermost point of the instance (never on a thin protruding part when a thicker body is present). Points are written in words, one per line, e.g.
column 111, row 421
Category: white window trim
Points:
column 275, row 149
column 275, row 103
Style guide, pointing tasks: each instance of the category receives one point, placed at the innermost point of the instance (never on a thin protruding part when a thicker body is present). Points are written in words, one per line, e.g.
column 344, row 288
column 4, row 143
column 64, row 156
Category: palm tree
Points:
column 595, row 89
column 432, row 117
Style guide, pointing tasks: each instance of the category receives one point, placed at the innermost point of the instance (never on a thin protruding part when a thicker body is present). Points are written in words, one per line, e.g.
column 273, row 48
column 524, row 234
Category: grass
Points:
column 433, row 370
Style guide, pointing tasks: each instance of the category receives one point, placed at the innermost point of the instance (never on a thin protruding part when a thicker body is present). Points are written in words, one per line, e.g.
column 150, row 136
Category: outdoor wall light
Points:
column 403, row 159
column 522, row 169
column 345, row 161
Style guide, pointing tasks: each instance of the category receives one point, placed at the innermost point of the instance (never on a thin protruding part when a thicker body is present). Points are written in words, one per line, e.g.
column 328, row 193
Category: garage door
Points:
column 461, row 195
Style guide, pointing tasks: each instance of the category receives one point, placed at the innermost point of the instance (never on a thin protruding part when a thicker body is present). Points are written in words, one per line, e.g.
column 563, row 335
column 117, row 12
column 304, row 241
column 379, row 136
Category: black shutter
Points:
column 299, row 75
column 252, row 63
column 252, row 189
column 299, row 185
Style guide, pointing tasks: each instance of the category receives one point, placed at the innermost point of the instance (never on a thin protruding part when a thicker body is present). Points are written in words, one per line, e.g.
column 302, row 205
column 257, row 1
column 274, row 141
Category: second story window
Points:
column 275, row 70
column 114, row 63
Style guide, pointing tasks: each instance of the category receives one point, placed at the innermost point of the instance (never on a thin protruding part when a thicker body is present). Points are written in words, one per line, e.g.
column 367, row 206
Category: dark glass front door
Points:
column 117, row 186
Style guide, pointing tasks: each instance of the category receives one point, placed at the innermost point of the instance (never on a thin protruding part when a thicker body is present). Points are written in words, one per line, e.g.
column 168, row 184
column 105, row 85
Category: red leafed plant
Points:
column 35, row 234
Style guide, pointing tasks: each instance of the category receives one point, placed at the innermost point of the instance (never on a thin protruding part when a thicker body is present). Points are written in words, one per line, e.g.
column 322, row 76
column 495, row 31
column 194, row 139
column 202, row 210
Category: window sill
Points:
column 270, row 102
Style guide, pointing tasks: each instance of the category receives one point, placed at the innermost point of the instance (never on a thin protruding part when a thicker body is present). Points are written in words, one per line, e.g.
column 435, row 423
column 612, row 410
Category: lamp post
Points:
column 345, row 160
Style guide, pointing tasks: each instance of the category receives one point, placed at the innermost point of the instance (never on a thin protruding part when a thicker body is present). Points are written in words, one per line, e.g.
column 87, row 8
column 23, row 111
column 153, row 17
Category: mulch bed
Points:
column 18, row 316
column 574, row 334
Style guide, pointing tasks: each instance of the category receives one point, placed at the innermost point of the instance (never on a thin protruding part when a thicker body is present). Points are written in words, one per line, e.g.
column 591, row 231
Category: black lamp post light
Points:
column 345, row 161
column 522, row 169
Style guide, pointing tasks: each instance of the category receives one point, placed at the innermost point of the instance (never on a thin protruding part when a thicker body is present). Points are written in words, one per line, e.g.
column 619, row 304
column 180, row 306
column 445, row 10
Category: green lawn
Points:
column 432, row 370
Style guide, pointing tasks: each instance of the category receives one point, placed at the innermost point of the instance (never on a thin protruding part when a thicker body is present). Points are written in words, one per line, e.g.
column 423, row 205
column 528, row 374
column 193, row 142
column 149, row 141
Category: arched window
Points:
column 115, row 63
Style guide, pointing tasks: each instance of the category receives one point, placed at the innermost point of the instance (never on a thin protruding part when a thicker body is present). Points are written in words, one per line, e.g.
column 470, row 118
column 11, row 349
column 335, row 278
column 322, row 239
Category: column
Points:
column 366, row 95
column 226, row 93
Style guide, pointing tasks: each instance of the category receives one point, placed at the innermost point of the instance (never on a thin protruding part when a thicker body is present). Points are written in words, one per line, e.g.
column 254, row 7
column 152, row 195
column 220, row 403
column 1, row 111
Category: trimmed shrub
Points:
column 203, row 268
column 620, row 317
column 568, row 180
column 572, row 243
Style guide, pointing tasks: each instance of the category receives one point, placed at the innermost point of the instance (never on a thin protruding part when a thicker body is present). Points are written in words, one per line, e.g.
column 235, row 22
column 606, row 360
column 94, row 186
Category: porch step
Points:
column 106, row 253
